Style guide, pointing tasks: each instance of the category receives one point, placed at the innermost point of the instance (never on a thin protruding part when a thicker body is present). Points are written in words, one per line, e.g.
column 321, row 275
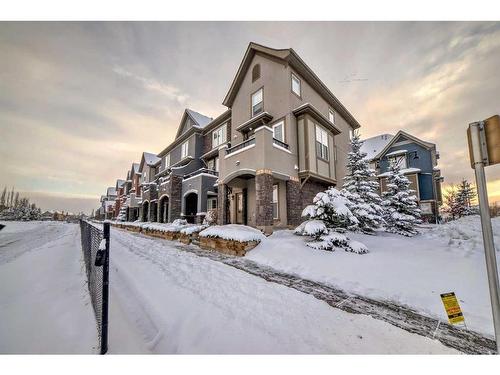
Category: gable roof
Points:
column 119, row 183
column 200, row 121
column 372, row 146
column 394, row 139
column 135, row 168
column 150, row 158
column 289, row 57
column 110, row 191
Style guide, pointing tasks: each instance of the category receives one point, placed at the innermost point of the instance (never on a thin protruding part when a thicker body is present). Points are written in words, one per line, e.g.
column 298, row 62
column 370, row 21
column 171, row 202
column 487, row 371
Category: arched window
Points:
column 256, row 72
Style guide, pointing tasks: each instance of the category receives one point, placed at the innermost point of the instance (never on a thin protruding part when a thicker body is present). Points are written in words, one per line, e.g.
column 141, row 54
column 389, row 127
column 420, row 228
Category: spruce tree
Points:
column 361, row 189
column 401, row 209
column 465, row 195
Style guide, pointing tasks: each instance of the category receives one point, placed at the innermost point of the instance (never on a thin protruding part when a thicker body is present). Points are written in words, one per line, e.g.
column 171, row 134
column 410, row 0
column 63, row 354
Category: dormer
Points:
column 192, row 119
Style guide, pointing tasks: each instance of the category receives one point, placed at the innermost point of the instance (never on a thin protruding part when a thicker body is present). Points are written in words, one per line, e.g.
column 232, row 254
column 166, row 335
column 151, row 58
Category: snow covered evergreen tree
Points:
column 360, row 188
column 401, row 209
column 465, row 195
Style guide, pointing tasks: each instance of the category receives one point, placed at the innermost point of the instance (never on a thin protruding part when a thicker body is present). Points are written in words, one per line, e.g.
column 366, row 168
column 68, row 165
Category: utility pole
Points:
column 484, row 150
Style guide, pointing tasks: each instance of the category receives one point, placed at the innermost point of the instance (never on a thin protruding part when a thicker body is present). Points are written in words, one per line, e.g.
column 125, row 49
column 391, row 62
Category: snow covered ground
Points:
column 168, row 301
column 410, row 271
column 163, row 300
column 44, row 301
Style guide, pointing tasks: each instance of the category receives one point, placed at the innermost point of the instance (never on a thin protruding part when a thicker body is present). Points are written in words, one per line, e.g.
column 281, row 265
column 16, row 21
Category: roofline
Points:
column 425, row 144
column 290, row 57
column 226, row 115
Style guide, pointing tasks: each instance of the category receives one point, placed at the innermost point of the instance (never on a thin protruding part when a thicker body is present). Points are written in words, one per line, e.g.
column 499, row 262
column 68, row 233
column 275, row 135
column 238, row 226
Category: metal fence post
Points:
column 105, row 291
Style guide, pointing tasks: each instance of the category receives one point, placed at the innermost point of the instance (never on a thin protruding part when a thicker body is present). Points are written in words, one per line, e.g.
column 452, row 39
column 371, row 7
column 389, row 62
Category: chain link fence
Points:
column 95, row 247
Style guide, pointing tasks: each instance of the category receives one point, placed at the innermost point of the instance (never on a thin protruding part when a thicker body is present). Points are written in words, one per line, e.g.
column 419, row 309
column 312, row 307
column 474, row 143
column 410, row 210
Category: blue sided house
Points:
column 418, row 161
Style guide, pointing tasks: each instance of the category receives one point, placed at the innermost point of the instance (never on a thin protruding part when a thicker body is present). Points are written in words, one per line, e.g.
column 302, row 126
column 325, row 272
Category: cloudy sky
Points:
column 79, row 102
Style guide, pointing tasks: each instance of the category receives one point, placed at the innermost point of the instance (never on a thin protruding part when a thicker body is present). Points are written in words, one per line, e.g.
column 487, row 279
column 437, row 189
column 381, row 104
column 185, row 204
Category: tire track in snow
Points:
column 403, row 317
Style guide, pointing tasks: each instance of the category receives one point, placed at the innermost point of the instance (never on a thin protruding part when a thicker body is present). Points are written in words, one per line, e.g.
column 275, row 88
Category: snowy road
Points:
column 44, row 301
column 168, row 301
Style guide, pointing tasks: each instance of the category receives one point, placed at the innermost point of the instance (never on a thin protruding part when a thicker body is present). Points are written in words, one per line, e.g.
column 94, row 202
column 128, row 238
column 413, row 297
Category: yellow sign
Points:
column 452, row 308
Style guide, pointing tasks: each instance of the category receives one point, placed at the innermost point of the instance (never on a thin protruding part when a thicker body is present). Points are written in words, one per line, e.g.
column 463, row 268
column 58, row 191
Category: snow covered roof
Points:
column 201, row 120
column 372, row 146
column 150, row 158
column 110, row 191
column 397, row 152
column 119, row 183
column 404, row 171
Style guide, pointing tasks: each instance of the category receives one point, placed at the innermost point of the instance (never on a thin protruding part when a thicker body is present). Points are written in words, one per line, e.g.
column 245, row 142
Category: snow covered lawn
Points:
column 410, row 271
column 44, row 301
column 164, row 300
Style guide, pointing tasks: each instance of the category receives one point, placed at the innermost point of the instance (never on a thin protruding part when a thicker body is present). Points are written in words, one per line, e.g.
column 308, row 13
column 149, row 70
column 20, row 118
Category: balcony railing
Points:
column 200, row 171
column 241, row 145
column 281, row 144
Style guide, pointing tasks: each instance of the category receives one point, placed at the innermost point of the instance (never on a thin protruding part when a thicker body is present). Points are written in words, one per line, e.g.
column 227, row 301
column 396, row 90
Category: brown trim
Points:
column 251, row 105
column 314, row 113
column 307, row 158
column 292, row 74
column 315, row 176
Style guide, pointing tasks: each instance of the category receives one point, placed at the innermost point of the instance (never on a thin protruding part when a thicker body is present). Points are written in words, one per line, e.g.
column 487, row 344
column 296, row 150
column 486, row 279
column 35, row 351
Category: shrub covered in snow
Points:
column 210, row 218
column 331, row 208
column 401, row 209
column 328, row 239
column 235, row 232
column 312, row 228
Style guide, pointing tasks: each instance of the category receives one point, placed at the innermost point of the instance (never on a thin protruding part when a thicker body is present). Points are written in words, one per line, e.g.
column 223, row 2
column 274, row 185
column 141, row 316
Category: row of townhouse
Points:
column 283, row 138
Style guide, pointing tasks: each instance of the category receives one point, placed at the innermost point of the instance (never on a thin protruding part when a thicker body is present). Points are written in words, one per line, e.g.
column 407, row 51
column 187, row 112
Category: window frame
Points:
column 185, row 152
column 167, row 160
column 332, row 112
column 323, row 133
column 402, row 157
column 252, row 114
column 222, row 136
column 277, row 202
column 282, row 124
column 293, row 75
column 256, row 77
column 209, row 206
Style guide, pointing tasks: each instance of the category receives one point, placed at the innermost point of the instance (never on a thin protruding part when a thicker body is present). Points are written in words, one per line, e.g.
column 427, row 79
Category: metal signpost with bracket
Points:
column 484, row 150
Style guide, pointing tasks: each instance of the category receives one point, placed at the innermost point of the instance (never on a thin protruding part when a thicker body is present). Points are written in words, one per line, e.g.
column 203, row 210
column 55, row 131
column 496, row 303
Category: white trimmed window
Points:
column 167, row 160
column 322, row 143
column 219, row 136
column 211, row 204
column 257, row 102
column 184, row 149
column 275, row 202
column 213, row 164
column 279, row 131
column 295, row 84
column 399, row 160
column 331, row 115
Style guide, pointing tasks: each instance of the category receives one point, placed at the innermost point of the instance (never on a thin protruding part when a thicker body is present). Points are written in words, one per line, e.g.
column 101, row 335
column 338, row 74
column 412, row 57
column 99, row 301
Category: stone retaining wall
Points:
column 229, row 247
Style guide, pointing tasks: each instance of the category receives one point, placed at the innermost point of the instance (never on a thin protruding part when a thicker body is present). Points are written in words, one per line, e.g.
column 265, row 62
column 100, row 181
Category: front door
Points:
column 239, row 208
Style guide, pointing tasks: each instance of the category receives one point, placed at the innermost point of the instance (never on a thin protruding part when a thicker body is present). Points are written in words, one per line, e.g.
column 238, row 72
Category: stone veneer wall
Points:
column 309, row 191
column 175, row 198
column 264, row 199
column 293, row 202
column 222, row 204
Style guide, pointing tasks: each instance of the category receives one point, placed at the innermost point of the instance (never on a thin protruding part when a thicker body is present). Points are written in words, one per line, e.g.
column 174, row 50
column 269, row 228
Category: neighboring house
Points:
column 119, row 201
column 107, row 209
column 418, row 161
column 133, row 193
column 147, row 186
column 187, row 175
column 284, row 138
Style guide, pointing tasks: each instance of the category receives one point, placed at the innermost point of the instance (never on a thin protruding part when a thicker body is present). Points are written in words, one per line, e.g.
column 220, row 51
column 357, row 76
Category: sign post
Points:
column 484, row 150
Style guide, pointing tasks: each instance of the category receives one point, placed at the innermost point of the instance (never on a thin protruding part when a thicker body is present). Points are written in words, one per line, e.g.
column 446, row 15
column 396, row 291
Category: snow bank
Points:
column 412, row 271
column 465, row 233
column 193, row 229
column 235, row 232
